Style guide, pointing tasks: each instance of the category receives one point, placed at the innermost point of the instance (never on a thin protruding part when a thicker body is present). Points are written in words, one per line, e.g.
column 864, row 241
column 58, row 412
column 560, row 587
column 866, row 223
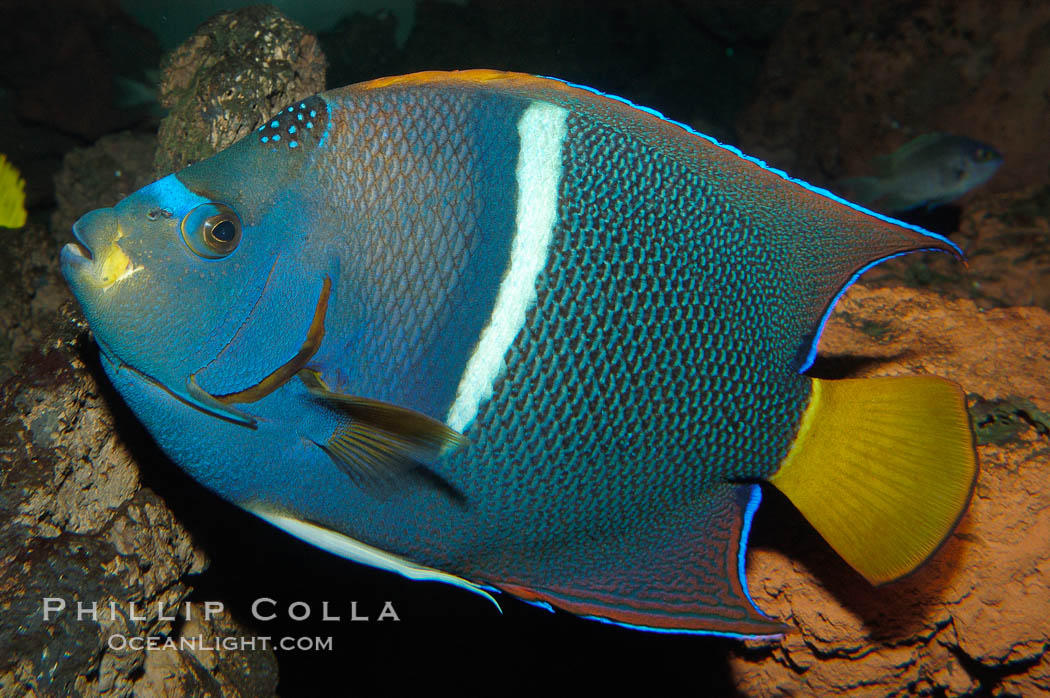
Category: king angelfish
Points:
column 514, row 334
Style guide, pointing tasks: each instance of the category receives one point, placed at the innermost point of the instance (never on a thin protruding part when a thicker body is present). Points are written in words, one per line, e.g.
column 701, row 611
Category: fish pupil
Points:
column 224, row 231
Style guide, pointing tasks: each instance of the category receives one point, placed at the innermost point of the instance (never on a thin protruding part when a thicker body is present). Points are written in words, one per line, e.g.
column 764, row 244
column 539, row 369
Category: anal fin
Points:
column 684, row 574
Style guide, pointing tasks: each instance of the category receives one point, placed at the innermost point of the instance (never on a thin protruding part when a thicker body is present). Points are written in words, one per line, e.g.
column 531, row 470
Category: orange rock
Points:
column 976, row 617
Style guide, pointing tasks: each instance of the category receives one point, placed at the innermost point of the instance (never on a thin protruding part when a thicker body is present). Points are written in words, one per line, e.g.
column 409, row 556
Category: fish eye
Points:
column 984, row 155
column 211, row 230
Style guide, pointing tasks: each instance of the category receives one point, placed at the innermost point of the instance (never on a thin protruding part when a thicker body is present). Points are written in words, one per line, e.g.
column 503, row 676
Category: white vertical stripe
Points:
column 541, row 132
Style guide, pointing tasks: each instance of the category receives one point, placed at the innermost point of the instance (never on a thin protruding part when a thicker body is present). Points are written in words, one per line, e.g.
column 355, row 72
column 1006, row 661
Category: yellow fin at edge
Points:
column 883, row 468
column 12, row 196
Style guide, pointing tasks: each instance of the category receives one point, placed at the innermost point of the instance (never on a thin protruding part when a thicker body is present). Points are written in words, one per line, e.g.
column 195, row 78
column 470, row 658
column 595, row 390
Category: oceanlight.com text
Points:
column 118, row 642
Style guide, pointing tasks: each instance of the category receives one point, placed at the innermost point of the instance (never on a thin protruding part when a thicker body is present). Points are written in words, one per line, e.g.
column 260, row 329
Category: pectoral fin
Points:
column 376, row 442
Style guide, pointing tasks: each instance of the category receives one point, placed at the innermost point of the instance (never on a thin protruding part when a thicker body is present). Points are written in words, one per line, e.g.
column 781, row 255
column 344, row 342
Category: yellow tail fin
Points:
column 883, row 468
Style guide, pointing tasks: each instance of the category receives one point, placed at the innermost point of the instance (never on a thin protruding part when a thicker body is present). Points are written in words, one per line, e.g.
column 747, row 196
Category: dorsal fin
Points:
column 376, row 442
column 837, row 242
column 815, row 244
column 823, row 243
column 888, row 164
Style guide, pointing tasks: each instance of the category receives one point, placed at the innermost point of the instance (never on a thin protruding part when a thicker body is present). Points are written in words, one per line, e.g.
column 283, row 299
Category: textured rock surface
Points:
column 79, row 526
column 77, row 523
column 202, row 671
column 1006, row 239
column 847, row 82
column 237, row 69
column 31, row 293
column 975, row 620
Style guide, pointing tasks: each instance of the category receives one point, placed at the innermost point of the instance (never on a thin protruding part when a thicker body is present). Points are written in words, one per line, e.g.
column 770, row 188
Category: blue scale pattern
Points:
column 649, row 374
column 425, row 235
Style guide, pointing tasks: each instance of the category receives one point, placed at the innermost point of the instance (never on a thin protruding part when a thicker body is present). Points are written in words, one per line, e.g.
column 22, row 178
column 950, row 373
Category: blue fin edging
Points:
column 780, row 173
column 811, row 355
column 745, row 533
column 539, row 604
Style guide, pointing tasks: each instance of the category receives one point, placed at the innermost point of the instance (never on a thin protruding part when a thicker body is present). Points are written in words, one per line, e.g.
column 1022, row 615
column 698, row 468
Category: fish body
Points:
column 509, row 333
column 931, row 170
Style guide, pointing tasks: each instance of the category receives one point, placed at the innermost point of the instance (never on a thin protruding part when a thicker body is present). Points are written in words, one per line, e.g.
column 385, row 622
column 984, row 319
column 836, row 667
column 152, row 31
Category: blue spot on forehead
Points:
column 283, row 123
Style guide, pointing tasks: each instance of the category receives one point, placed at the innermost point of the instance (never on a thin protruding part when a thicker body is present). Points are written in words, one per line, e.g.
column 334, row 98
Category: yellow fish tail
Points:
column 883, row 468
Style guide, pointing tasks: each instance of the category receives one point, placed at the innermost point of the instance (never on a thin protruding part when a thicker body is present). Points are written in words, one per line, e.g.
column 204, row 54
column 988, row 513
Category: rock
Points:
column 201, row 670
column 236, row 70
column 846, row 83
column 975, row 619
column 78, row 525
column 80, row 528
column 31, row 293
column 100, row 176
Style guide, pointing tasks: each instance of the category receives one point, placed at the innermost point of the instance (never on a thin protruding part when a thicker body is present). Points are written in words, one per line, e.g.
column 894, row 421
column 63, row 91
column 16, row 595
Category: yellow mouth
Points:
column 111, row 266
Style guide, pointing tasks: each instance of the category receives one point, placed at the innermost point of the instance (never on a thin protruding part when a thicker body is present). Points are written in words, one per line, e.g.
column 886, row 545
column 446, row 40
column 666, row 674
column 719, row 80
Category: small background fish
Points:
column 930, row 170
